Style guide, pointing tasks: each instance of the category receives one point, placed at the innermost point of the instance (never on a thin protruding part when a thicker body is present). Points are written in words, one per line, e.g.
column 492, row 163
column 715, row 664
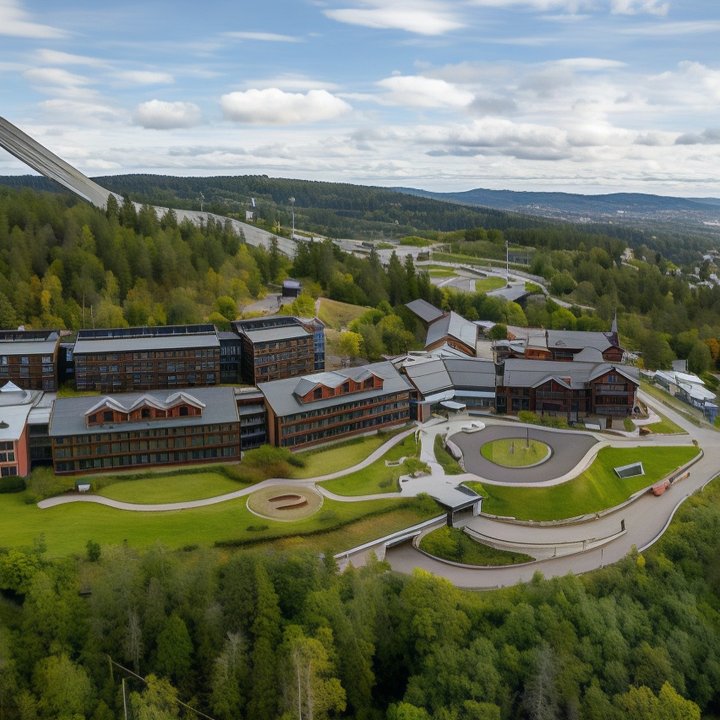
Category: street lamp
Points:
column 292, row 209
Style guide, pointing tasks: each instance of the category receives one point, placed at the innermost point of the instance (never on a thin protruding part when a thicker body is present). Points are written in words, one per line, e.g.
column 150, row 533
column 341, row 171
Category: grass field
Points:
column 515, row 452
column 453, row 544
column 338, row 315
column 666, row 426
column 67, row 528
column 439, row 271
column 171, row 488
column 596, row 489
column 487, row 284
column 338, row 457
column 377, row 477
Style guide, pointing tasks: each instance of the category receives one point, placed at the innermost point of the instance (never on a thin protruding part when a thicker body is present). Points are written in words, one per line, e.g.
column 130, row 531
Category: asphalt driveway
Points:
column 568, row 449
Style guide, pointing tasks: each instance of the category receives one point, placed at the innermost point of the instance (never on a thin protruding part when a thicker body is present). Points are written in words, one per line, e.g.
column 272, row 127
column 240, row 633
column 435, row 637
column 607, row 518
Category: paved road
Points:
column 645, row 521
column 566, row 454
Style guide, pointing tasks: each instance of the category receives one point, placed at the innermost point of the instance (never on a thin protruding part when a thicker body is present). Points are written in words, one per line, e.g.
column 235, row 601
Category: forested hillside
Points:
column 342, row 210
column 265, row 635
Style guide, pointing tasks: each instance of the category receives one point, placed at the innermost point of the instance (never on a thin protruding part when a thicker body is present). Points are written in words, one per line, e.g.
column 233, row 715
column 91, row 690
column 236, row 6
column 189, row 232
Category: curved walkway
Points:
column 204, row 502
column 645, row 521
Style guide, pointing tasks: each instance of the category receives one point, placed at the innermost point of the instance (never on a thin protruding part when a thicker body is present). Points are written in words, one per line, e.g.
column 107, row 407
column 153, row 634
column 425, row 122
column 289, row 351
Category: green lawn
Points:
column 666, row 426
column 487, row 284
column 453, row 544
column 596, row 489
column 338, row 457
column 171, row 488
column 377, row 477
column 439, row 271
column 517, row 452
column 67, row 528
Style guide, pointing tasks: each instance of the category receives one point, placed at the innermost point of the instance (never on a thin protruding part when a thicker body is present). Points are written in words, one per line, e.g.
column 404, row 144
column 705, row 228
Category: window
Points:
column 184, row 411
column 145, row 413
column 317, row 393
column 108, row 416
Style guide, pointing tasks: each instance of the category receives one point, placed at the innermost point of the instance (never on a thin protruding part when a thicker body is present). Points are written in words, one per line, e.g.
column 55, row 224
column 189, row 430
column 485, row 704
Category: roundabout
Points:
column 565, row 451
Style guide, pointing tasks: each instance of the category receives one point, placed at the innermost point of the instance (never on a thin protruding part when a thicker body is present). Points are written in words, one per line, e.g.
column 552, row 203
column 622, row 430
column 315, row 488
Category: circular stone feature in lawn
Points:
column 284, row 502
column 516, row 452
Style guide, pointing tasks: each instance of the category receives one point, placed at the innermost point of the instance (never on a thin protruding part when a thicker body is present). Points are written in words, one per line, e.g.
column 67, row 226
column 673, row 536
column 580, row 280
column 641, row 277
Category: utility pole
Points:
column 292, row 210
column 507, row 262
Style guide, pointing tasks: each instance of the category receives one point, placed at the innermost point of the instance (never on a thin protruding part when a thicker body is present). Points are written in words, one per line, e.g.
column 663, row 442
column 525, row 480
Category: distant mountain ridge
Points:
column 571, row 206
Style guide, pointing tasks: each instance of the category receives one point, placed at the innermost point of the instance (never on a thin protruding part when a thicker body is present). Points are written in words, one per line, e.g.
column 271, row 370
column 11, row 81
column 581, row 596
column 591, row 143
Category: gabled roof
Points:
column 146, row 400
column 454, row 326
column 424, row 310
column 282, row 397
column 69, row 414
column 577, row 339
column 330, row 379
column 530, row 373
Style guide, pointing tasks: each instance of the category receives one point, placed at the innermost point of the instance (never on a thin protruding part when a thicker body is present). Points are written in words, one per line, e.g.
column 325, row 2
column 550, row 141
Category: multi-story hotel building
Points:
column 279, row 347
column 197, row 425
column 329, row 405
column 29, row 358
column 145, row 358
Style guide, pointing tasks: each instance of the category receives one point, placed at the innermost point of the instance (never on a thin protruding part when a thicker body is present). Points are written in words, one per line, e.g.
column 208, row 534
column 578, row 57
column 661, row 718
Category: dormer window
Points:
column 184, row 411
column 317, row 393
column 346, row 387
column 108, row 416
column 368, row 383
column 145, row 413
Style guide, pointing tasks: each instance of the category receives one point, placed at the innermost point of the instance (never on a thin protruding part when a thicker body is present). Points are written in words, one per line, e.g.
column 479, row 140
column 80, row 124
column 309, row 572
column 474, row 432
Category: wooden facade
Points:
column 29, row 359
column 274, row 359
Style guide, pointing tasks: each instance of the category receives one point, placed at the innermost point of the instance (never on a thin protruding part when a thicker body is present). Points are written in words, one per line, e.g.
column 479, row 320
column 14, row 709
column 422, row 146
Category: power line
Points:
column 199, row 713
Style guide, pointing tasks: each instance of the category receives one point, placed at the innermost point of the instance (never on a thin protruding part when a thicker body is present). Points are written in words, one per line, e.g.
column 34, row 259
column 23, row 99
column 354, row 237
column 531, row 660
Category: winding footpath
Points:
column 611, row 536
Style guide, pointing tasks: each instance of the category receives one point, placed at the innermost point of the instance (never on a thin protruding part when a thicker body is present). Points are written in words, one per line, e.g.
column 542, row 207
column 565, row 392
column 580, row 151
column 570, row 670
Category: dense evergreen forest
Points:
column 344, row 210
column 265, row 634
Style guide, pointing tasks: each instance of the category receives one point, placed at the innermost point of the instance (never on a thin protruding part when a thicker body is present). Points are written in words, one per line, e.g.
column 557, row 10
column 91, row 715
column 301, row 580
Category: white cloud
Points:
column 588, row 64
column 263, row 37
column 636, row 7
column 709, row 136
column 273, row 106
column 162, row 115
column 423, row 17
column 15, row 22
column 55, row 76
column 423, row 92
column 57, row 57
column 145, row 77
column 667, row 29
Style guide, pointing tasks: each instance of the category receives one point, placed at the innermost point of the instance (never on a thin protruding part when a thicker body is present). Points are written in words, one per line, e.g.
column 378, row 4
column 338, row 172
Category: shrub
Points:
column 12, row 485
column 43, row 483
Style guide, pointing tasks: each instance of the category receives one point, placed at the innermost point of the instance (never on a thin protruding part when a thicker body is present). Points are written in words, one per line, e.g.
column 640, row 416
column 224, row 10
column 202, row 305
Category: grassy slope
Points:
column 596, row 489
column 68, row 528
column 338, row 315
column 377, row 477
column 488, row 284
column 453, row 544
column 169, row 488
column 340, row 456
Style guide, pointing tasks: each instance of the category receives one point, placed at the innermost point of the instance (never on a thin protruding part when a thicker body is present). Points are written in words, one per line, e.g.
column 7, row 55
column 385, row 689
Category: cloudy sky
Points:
column 574, row 95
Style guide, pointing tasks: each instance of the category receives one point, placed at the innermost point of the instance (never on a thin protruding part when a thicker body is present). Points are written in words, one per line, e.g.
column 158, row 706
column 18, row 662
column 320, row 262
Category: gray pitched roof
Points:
column 577, row 339
column 455, row 326
column 68, row 415
column 282, row 395
column 530, row 373
column 424, row 310
column 148, row 342
column 276, row 333
column 471, row 373
column 429, row 377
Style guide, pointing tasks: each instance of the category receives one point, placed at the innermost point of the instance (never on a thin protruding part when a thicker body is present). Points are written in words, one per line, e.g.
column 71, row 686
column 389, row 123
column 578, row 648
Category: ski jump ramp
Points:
column 39, row 158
